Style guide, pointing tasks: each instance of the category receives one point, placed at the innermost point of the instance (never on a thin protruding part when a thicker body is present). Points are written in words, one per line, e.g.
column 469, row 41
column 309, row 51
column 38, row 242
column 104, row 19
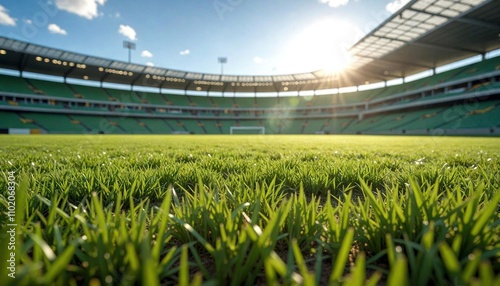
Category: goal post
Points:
column 247, row 130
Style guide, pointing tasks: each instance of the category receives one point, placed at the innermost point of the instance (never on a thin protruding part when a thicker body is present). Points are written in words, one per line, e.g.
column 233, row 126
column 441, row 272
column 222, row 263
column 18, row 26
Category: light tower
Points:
column 222, row 61
column 130, row 46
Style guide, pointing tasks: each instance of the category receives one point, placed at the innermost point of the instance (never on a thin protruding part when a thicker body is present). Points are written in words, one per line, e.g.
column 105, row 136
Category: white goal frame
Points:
column 261, row 129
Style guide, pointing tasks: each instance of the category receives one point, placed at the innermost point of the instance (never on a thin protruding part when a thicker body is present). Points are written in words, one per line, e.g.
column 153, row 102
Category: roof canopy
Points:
column 423, row 35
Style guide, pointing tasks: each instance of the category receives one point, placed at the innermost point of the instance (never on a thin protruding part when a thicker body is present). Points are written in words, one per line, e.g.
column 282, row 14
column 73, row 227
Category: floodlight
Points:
column 222, row 61
column 130, row 46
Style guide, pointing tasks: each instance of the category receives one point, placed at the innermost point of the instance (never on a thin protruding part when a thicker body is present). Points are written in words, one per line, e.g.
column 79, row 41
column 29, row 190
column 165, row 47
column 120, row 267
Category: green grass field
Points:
column 250, row 210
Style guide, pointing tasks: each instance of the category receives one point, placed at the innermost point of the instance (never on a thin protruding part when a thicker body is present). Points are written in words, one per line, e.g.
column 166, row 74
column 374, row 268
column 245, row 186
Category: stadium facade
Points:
column 47, row 90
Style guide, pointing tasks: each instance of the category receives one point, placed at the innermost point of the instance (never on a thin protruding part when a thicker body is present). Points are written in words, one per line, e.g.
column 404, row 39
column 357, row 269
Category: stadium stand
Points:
column 87, row 92
column 464, row 99
column 14, row 120
column 14, row 84
column 245, row 102
column 286, row 114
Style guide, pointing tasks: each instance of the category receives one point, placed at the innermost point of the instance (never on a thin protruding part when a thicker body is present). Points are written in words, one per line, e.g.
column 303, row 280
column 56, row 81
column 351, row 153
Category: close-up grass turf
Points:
column 251, row 210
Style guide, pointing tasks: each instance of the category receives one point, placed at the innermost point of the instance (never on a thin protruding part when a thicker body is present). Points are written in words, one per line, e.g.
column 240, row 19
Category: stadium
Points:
column 359, row 100
column 384, row 172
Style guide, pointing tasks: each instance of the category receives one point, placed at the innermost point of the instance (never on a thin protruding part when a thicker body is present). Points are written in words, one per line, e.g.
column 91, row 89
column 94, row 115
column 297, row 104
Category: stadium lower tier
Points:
column 467, row 118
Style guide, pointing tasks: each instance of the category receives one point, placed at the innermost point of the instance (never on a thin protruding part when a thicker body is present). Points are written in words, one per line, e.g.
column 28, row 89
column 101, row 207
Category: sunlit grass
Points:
column 307, row 210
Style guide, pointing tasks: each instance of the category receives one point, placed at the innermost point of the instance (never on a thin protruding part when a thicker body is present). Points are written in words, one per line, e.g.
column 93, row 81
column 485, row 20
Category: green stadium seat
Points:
column 223, row 102
column 177, row 100
column 15, row 84
column 55, row 123
column 13, row 120
column 49, row 88
column 245, row 102
column 91, row 93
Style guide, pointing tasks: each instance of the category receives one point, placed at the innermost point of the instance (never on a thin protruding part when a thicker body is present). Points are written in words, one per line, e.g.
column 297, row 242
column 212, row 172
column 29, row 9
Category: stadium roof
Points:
column 423, row 35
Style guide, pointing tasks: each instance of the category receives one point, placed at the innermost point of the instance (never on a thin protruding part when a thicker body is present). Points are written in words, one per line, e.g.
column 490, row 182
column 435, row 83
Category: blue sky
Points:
column 259, row 37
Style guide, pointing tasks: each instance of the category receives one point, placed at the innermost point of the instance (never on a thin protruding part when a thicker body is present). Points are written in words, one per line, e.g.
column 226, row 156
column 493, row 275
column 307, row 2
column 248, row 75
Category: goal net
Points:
column 247, row 130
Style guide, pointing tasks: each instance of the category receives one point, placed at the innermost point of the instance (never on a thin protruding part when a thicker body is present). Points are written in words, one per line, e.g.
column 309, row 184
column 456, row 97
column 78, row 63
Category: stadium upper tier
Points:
column 463, row 100
column 421, row 36
column 474, row 77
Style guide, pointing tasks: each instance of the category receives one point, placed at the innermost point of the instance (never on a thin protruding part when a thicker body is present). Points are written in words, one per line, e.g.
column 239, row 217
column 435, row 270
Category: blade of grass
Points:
column 341, row 258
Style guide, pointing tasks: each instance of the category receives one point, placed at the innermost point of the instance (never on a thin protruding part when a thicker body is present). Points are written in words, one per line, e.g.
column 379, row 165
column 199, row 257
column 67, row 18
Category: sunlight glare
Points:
column 322, row 46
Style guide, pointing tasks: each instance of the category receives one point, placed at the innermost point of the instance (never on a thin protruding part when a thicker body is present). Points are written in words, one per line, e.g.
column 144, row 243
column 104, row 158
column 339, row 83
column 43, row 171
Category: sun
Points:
column 322, row 45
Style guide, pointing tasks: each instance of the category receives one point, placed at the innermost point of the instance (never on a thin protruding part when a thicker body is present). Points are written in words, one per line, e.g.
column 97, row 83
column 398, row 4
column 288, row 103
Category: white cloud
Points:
column 28, row 21
column 184, row 53
column 83, row 8
column 335, row 3
column 150, row 64
column 146, row 54
column 258, row 60
column 128, row 32
column 5, row 18
column 55, row 29
column 395, row 5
